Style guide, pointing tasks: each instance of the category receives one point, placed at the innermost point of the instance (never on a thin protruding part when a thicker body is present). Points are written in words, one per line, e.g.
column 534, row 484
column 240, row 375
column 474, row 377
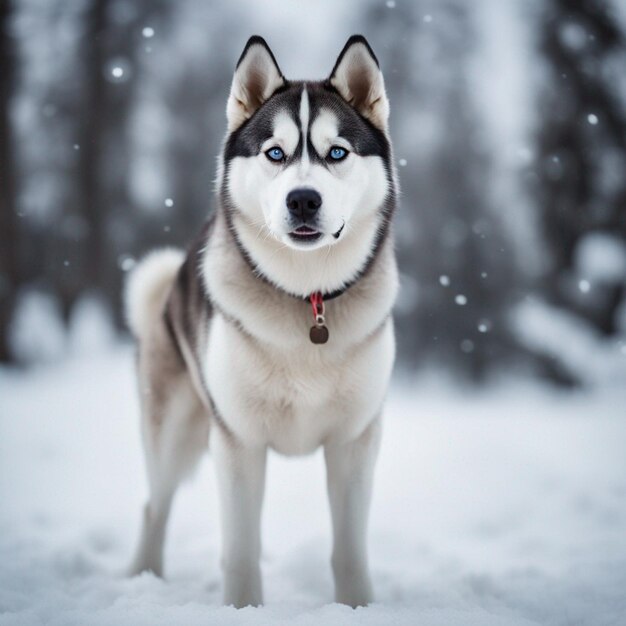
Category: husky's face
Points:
column 307, row 163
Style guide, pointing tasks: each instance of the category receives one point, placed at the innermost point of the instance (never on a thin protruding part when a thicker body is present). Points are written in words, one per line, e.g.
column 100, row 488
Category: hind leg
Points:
column 175, row 429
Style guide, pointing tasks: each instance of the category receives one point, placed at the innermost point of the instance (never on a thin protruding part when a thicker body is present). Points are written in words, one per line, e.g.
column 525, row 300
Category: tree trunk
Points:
column 9, row 261
column 91, row 145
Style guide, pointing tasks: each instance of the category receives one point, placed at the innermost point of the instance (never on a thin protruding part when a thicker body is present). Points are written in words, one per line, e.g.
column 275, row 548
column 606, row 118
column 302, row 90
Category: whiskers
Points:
column 282, row 246
column 261, row 227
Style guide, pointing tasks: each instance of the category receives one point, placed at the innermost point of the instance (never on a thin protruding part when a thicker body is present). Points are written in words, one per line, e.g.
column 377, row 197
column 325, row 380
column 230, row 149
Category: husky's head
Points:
column 307, row 169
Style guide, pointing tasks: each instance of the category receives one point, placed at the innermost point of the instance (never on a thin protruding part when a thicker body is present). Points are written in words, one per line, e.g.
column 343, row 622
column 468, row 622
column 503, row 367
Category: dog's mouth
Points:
column 305, row 234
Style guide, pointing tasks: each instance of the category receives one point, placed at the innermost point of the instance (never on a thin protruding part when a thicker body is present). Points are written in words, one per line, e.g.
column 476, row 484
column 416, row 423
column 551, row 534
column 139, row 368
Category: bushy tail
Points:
column 147, row 287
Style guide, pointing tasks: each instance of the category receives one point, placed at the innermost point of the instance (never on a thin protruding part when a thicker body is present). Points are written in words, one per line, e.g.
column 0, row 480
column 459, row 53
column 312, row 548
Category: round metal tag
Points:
column 318, row 334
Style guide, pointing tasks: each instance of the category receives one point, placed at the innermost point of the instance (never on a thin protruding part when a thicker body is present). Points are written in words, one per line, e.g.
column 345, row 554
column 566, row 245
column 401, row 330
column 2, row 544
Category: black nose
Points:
column 303, row 203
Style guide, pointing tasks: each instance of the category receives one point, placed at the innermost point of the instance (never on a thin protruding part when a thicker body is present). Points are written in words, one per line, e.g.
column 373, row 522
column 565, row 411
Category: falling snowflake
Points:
column 126, row 262
column 467, row 346
column 444, row 280
column 484, row 326
column 169, row 202
column 584, row 285
column 460, row 299
column 118, row 70
column 148, row 32
column 592, row 119
column 572, row 35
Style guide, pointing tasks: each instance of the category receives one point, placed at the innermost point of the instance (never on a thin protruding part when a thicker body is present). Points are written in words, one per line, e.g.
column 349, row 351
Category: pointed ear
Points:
column 357, row 77
column 256, row 78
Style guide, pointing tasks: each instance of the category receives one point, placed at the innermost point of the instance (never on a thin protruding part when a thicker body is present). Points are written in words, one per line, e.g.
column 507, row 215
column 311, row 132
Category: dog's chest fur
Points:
column 267, row 383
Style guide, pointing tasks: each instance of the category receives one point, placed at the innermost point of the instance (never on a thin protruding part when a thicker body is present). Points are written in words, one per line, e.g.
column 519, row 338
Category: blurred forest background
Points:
column 509, row 123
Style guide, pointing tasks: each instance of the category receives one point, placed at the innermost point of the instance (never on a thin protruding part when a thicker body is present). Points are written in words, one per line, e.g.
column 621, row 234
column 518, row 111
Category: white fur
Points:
column 350, row 471
column 174, row 437
column 294, row 403
column 353, row 188
column 274, row 389
column 148, row 285
column 351, row 197
column 241, row 481
column 270, row 386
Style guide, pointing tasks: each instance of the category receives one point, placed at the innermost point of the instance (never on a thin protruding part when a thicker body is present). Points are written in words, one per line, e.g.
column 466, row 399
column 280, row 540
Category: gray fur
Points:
column 225, row 340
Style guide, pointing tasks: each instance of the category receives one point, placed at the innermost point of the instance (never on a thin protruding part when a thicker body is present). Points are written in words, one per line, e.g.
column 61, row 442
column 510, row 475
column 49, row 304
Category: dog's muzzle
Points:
column 303, row 205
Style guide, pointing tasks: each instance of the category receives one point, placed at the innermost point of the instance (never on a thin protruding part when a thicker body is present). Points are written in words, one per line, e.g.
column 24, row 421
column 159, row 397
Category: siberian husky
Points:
column 274, row 330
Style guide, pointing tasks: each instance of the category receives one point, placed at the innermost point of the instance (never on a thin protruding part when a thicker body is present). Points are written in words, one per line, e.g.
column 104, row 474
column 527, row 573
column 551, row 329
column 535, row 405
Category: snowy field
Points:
column 505, row 506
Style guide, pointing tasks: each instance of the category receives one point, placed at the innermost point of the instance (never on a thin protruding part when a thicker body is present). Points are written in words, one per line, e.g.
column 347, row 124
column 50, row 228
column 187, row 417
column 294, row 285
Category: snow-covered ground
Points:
column 505, row 506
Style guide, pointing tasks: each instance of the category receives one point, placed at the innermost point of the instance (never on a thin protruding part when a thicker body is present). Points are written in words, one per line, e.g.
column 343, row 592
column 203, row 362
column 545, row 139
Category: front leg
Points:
column 241, row 481
column 350, row 469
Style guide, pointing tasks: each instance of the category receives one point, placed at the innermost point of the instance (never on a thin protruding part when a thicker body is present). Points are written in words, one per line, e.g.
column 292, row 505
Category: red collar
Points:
column 319, row 332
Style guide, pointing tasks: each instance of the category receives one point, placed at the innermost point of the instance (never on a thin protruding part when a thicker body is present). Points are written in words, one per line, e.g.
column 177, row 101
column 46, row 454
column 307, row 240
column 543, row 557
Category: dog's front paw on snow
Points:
column 242, row 589
column 354, row 591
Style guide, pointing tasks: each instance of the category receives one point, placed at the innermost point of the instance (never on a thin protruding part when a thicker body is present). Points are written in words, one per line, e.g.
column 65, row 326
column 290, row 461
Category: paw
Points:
column 353, row 586
column 355, row 596
column 243, row 588
column 139, row 566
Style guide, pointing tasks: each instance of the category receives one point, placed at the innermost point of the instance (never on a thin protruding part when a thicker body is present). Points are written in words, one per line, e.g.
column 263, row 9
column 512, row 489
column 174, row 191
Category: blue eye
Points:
column 337, row 154
column 275, row 154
